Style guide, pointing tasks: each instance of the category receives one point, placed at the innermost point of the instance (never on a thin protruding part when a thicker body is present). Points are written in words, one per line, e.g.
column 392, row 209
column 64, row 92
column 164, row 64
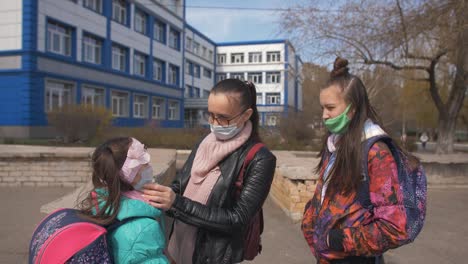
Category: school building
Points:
column 138, row 58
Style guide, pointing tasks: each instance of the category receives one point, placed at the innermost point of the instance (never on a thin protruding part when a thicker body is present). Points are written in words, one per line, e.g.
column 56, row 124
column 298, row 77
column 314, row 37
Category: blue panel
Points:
column 107, row 11
column 29, row 37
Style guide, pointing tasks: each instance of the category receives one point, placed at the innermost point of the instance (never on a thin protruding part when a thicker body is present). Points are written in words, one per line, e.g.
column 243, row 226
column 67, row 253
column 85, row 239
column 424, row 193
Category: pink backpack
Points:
column 64, row 237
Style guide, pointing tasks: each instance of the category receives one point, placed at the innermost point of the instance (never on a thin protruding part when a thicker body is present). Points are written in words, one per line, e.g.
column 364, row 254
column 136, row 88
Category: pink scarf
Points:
column 205, row 171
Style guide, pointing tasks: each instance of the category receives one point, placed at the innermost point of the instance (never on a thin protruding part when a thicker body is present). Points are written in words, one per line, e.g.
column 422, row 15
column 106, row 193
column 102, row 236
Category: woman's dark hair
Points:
column 349, row 157
column 107, row 161
column 246, row 94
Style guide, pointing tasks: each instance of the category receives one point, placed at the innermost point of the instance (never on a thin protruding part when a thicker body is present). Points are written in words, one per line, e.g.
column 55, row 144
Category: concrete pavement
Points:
column 443, row 239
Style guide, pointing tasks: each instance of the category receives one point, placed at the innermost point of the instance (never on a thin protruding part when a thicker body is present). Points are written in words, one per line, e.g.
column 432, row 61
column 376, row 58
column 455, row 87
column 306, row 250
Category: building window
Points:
column 139, row 64
column 203, row 52
column 188, row 44
column 140, row 106
column 237, row 58
column 158, row 108
column 119, row 11
column 119, row 104
column 188, row 91
column 273, row 98
column 159, row 31
column 95, row 5
column 92, row 49
column 174, row 39
column 273, row 56
column 272, row 120
column 158, row 70
column 255, row 57
column 273, row 77
column 206, row 93
column 173, row 75
column 259, row 98
column 119, row 58
column 196, row 47
column 92, row 96
column 220, row 77
column 239, row 76
column 210, row 55
column 196, row 71
column 59, row 39
column 173, row 110
column 196, row 92
column 221, row 58
column 207, row 73
column 255, row 77
column 141, row 20
column 58, row 94
column 188, row 67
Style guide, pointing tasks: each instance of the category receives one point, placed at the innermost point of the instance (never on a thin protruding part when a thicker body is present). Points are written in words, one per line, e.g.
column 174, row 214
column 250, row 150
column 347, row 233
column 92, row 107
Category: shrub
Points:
column 80, row 122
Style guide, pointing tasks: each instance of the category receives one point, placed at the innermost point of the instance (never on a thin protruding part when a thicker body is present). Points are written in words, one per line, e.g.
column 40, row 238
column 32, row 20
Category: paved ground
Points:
column 443, row 239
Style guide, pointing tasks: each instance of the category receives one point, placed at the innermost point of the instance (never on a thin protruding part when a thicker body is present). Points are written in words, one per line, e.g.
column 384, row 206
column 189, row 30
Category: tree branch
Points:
column 403, row 26
column 394, row 66
column 433, row 85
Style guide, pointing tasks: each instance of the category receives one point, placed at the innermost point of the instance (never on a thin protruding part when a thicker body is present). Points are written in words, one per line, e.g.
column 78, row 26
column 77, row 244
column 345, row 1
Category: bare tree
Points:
column 427, row 37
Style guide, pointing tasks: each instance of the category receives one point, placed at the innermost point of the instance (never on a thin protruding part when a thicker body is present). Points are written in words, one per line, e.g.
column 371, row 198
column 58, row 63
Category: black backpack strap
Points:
column 363, row 194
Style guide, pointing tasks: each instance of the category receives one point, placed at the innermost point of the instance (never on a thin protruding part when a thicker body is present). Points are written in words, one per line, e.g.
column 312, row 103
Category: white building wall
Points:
column 263, row 67
column 11, row 17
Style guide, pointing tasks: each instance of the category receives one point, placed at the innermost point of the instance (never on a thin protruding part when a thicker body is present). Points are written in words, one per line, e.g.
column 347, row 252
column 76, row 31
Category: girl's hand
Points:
column 159, row 196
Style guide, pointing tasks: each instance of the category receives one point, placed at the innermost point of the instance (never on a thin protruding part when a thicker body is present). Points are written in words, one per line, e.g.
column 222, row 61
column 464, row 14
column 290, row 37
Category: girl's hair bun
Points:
column 340, row 68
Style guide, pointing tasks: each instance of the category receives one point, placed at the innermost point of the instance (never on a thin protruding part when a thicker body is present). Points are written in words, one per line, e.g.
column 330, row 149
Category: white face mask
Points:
column 146, row 176
column 225, row 133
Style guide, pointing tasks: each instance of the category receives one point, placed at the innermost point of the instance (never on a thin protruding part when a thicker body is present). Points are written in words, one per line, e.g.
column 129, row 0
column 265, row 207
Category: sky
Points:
column 223, row 25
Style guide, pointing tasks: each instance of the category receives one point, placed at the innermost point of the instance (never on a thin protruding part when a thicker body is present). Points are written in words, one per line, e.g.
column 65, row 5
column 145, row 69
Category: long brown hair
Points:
column 247, row 96
column 345, row 174
column 107, row 161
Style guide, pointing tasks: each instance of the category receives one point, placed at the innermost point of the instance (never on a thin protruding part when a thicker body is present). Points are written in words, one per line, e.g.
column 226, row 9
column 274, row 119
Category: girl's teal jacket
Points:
column 140, row 240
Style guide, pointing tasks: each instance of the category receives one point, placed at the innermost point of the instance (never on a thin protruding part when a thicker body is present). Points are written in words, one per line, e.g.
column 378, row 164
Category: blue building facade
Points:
column 130, row 56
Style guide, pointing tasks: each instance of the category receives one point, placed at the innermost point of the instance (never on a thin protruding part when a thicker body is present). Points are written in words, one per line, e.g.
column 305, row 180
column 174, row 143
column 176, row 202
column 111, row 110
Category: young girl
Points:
column 336, row 226
column 120, row 168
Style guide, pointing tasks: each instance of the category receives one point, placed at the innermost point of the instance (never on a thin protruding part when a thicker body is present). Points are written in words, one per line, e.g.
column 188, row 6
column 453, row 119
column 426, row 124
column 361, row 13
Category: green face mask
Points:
column 339, row 124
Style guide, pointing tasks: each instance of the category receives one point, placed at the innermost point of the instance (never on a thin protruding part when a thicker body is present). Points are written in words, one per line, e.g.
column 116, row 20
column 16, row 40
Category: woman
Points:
column 336, row 226
column 210, row 217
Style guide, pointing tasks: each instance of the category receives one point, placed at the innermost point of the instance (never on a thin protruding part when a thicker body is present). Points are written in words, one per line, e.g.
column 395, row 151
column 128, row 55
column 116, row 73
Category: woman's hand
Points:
column 159, row 196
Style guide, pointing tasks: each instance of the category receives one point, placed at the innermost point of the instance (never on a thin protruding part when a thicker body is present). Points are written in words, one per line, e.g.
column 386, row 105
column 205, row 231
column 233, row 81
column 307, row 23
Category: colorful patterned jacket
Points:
column 351, row 229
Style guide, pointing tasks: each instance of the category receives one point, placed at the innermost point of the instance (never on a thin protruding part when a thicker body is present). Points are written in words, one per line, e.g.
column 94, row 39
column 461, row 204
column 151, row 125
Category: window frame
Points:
column 50, row 90
column 123, row 60
column 123, row 12
column 91, row 45
column 126, row 103
column 271, row 97
column 90, row 90
column 162, row 108
column 135, row 61
column 142, row 106
column 65, row 35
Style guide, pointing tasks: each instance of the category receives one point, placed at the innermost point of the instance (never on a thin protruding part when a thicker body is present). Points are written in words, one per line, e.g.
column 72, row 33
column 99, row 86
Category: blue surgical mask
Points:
column 225, row 133
column 146, row 176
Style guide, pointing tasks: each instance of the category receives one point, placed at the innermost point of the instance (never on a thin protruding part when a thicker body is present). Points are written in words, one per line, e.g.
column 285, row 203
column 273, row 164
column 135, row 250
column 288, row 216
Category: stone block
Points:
column 42, row 184
column 29, row 184
column 9, row 179
column 15, row 173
